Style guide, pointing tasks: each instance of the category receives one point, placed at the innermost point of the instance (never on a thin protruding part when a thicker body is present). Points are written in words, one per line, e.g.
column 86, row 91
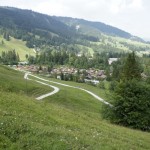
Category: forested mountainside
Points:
column 29, row 20
column 43, row 32
column 63, row 26
column 99, row 26
column 37, row 29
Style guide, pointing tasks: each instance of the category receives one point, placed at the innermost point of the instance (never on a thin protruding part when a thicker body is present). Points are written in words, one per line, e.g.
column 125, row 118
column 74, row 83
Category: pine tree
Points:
column 27, row 56
column 131, row 99
column 131, row 69
column 6, row 36
column 131, row 105
column 49, row 69
column 2, row 42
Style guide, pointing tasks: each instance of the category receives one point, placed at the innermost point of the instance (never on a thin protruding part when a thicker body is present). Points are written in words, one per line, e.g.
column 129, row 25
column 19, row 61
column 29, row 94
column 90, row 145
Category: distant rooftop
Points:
column 111, row 60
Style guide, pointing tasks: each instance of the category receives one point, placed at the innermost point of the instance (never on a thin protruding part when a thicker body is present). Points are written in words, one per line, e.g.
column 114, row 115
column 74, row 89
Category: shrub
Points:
column 131, row 106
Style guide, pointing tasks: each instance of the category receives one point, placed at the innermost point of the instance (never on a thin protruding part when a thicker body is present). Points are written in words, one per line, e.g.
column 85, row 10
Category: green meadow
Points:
column 70, row 119
column 16, row 44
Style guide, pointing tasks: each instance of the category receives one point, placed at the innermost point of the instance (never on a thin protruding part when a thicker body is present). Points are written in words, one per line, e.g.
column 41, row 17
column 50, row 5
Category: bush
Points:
column 131, row 105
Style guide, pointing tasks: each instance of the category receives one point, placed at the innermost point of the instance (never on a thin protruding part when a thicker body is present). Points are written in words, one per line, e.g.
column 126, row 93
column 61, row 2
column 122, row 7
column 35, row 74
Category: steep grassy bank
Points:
column 70, row 119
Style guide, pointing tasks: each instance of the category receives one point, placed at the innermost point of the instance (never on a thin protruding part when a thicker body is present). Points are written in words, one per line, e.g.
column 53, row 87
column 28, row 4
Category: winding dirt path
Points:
column 56, row 89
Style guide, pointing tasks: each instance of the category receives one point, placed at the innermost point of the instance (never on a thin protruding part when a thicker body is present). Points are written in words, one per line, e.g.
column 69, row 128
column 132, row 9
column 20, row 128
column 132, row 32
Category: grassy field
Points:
column 13, row 81
column 117, row 42
column 71, row 119
column 18, row 45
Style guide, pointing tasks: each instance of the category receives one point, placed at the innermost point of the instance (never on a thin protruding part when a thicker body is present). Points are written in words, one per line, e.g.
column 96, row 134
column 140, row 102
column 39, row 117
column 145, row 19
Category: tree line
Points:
column 54, row 57
column 9, row 57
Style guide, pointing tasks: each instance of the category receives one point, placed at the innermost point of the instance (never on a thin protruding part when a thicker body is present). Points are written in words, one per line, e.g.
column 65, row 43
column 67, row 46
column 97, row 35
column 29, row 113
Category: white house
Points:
column 111, row 60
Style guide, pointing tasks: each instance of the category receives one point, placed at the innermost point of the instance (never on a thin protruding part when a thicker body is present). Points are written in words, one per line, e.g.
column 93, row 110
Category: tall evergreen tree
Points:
column 131, row 99
column 131, row 68
column 2, row 42
column 6, row 36
column 132, row 103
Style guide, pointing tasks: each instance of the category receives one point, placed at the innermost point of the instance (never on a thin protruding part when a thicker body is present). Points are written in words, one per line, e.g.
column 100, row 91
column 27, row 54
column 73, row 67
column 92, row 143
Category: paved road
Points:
column 91, row 93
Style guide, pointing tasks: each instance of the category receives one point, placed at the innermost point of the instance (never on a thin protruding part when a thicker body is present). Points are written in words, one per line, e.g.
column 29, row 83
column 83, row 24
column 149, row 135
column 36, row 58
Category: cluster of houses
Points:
column 89, row 75
column 30, row 68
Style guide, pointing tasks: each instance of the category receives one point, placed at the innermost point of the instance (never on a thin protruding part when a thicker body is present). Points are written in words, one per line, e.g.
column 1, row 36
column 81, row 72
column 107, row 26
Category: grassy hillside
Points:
column 18, row 45
column 70, row 119
column 118, row 44
column 14, row 82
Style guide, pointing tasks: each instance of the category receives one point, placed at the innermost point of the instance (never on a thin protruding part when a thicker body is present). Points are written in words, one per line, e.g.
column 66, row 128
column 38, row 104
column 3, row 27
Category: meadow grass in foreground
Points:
column 71, row 119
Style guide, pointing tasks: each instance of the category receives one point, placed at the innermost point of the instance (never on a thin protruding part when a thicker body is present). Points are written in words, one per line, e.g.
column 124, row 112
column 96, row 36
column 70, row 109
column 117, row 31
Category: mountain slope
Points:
column 43, row 32
column 101, row 27
column 29, row 20
column 64, row 26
